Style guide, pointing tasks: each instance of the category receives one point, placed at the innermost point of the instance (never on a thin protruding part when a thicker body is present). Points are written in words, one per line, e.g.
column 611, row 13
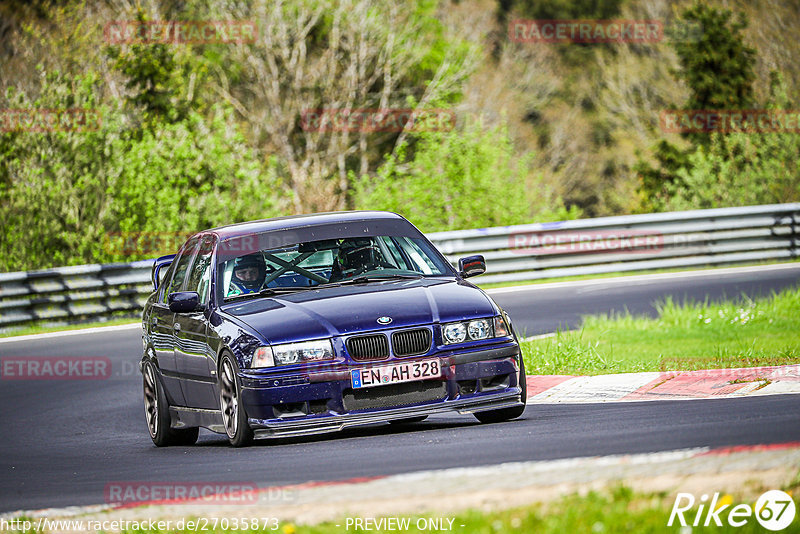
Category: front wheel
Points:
column 156, row 412
column 504, row 414
column 233, row 416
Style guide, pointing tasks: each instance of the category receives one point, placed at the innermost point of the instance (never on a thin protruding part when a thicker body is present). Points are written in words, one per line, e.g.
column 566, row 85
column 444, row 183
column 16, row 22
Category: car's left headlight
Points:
column 307, row 351
column 474, row 330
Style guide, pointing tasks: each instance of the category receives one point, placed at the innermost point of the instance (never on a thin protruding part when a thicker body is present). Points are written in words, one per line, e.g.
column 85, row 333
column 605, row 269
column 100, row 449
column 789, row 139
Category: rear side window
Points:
column 200, row 273
column 181, row 267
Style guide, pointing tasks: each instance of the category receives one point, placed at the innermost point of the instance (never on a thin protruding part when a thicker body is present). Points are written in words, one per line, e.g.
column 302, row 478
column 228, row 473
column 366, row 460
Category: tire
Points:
column 156, row 413
column 504, row 414
column 233, row 415
column 408, row 420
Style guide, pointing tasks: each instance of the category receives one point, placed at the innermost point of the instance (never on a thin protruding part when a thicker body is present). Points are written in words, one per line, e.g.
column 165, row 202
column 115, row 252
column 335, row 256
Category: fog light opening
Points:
column 495, row 382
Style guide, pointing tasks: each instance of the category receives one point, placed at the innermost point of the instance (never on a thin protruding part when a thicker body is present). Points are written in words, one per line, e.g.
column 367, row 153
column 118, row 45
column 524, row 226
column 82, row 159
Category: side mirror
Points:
column 160, row 270
column 184, row 302
column 471, row 266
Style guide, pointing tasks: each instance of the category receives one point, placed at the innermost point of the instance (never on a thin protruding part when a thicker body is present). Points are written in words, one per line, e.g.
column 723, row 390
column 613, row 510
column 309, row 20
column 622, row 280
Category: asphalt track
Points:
column 64, row 441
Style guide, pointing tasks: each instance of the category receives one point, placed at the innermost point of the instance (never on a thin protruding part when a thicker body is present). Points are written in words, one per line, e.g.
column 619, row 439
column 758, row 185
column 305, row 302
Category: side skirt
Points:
column 191, row 417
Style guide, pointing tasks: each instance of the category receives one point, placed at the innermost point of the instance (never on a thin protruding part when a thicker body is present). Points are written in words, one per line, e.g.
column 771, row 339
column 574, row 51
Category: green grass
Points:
column 610, row 511
column 495, row 285
column 736, row 333
column 42, row 329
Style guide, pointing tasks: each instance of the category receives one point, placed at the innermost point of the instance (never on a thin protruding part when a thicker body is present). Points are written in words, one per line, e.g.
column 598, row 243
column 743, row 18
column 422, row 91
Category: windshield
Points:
column 314, row 263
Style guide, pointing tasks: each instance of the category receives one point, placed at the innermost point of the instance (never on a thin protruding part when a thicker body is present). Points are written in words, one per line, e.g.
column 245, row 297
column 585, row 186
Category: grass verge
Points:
column 614, row 510
column 729, row 334
column 43, row 329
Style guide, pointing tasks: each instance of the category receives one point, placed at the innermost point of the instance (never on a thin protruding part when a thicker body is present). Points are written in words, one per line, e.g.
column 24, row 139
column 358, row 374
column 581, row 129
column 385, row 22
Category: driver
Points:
column 249, row 273
column 355, row 256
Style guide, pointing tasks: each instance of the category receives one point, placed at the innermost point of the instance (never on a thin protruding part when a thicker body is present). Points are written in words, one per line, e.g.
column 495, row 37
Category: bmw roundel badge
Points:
column 384, row 320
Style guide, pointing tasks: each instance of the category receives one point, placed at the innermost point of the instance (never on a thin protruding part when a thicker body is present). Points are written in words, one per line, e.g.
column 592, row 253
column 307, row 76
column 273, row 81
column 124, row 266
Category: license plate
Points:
column 395, row 373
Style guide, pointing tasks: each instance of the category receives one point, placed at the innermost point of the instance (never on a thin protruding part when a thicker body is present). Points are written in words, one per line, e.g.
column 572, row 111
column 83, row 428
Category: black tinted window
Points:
column 200, row 273
column 181, row 266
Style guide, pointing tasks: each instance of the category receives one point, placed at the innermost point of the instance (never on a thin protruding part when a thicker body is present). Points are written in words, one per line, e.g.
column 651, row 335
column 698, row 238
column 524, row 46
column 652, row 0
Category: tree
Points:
column 741, row 168
column 343, row 54
column 718, row 66
column 718, row 69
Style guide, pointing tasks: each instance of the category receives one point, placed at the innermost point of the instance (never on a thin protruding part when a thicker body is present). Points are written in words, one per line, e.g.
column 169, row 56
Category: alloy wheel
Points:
column 150, row 400
column 229, row 400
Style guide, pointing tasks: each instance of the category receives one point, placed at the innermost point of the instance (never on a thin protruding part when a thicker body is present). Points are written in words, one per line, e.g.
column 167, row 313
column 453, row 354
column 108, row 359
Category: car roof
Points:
column 298, row 221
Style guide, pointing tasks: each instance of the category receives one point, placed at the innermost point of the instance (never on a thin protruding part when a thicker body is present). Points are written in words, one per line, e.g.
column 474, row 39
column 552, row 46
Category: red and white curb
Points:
column 668, row 385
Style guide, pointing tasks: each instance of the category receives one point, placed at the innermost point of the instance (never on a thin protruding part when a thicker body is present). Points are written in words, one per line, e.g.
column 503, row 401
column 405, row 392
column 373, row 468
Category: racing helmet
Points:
column 250, row 271
column 356, row 253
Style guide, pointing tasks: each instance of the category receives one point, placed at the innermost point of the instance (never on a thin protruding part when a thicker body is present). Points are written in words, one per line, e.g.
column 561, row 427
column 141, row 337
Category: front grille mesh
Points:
column 394, row 395
column 411, row 342
column 367, row 348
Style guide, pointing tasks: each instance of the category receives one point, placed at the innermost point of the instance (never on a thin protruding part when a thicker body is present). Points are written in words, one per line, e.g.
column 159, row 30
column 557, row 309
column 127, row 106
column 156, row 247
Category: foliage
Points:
column 349, row 55
column 563, row 9
column 740, row 169
column 731, row 169
column 459, row 179
column 717, row 66
column 66, row 191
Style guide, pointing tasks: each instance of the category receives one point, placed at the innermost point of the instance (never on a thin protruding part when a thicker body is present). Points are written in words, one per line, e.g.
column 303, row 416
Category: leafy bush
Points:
column 738, row 170
column 64, row 192
column 464, row 178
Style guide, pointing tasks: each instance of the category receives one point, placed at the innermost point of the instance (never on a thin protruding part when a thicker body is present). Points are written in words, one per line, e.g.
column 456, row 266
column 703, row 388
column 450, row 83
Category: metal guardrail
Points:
column 629, row 242
column 66, row 295
column 513, row 253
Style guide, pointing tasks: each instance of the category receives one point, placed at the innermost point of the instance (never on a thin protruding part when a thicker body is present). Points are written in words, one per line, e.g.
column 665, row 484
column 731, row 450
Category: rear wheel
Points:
column 233, row 416
column 504, row 414
column 156, row 412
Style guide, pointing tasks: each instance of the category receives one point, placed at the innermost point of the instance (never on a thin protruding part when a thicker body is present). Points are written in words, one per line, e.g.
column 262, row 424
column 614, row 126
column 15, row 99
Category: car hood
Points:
column 344, row 310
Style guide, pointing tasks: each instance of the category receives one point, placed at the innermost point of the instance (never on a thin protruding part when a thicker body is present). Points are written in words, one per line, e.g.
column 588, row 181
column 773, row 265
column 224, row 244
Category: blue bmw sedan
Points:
column 316, row 323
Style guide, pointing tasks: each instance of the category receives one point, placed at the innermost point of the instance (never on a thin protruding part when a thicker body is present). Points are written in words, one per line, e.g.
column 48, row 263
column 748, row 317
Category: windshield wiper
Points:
column 364, row 278
column 267, row 291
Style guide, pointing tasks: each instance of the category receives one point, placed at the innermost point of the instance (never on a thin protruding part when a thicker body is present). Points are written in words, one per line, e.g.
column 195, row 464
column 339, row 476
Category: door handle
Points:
column 177, row 327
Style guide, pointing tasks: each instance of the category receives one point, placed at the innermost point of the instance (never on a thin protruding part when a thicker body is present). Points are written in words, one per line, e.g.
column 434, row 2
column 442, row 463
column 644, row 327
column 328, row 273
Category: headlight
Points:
column 308, row 351
column 474, row 330
column 262, row 357
column 480, row 329
column 454, row 333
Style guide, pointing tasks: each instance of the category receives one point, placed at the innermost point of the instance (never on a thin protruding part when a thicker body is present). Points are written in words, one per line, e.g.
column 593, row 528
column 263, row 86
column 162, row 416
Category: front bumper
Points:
column 324, row 401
